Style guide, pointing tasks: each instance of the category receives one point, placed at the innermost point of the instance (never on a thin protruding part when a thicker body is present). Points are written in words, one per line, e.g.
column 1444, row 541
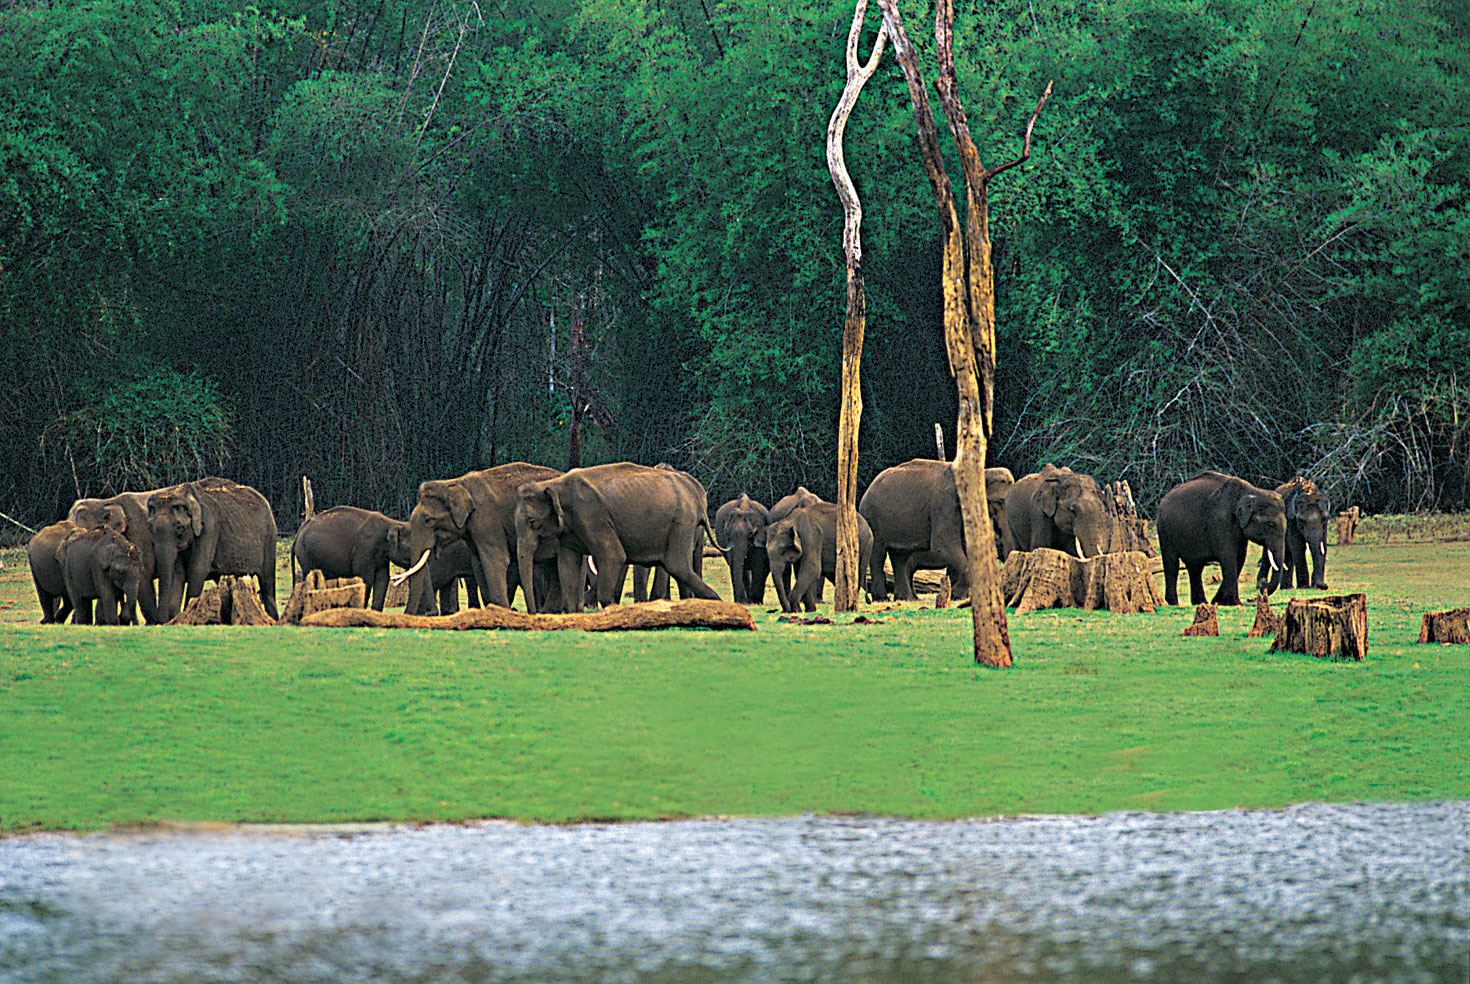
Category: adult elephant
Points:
column 1060, row 509
column 1212, row 518
column 737, row 525
column 660, row 590
column 1307, row 510
column 480, row 507
column 101, row 566
column 615, row 514
column 207, row 529
column 806, row 541
column 43, row 552
column 127, row 513
column 914, row 512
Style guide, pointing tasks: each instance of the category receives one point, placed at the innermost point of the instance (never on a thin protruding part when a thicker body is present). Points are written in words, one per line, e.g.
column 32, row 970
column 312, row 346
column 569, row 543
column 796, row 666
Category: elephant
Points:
column 661, row 576
column 1212, row 518
column 1060, row 509
column 447, row 567
column 46, row 571
column 784, row 507
column 737, row 524
column 1306, row 530
column 478, row 506
column 806, row 539
column 127, row 513
column 914, row 512
column 206, row 529
column 615, row 514
column 101, row 565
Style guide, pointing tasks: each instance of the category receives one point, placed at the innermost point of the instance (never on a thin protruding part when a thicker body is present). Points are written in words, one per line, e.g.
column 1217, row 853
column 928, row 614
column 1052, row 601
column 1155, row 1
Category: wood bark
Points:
column 233, row 601
column 849, row 578
column 1205, row 622
column 1451, row 626
column 1347, row 526
column 315, row 593
column 1267, row 622
column 1334, row 627
column 691, row 613
column 1044, row 578
column 968, row 304
column 1128, row 530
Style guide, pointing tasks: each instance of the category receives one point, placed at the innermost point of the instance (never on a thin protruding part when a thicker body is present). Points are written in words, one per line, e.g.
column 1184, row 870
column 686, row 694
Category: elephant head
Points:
column 737, row 524
column 998, row 482
column 176, row 519
column 539, row 517
column 1307, row 510
column 1073, row 503
column 122, row 564
column 89, row 514
column 400, row 543
column 1261, row 516
column 440, row 517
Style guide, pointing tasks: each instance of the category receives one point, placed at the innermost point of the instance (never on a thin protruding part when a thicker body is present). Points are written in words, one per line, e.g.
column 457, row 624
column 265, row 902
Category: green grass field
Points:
column 104, row 726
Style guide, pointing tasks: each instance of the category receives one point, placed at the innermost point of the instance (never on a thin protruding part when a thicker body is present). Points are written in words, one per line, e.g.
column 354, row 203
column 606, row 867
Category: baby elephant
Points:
column 101, row 565
column 806, row 540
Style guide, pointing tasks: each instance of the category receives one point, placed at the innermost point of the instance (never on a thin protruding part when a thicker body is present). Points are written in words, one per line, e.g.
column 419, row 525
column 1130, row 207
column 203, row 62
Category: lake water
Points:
column 1313, row 893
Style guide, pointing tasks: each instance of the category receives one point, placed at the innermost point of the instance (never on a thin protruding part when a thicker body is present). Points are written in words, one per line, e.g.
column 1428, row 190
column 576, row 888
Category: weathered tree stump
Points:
column 690, row 613
column 1205, row 623
column 1267, row 622
column 397, row 595
column 316, row 594
column 233, row 601
column 942, row 596
column 1044, row 578
column 1128, row 531
column 1335, row 627
column 1451, row 626
column 1347, row 526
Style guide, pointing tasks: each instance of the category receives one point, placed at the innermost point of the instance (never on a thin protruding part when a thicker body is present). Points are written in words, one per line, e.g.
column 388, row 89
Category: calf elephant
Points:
column 1212, row 518
column 737, row 525
column 478, row 506
column 206, row 529
column 615, row 514
column 101, row 566
column 1060, row 509
column 806, row 540
column 1306, row 531
column 128, row 514
column 784, row 507
column 43, row 551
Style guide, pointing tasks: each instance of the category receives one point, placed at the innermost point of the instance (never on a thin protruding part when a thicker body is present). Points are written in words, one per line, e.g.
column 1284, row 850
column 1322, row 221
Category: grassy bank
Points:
column 119, row 726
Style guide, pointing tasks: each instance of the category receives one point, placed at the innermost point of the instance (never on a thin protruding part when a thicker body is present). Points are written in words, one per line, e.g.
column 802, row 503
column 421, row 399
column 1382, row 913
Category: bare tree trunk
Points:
column 574, row 346
column 849, row 578
column 968, row 296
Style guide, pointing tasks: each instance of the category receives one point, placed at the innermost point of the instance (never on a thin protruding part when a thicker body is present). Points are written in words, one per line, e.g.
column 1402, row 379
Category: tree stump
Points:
column 317, row 594
column 1267, row 623
column 1205, row 623
column 1128, row 531
column 1347, row 526
column 1335, row 627
column 687, row 613
column 1451, row 626
column 397, row 595
column 1044, row 578
column 233, row 601
column 941, row 598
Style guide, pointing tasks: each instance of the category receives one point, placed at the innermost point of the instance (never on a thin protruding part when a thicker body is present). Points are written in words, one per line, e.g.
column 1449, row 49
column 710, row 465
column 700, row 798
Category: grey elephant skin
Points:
column 616, row 514
column 1059, row 509
column 100, row 566
column 914, row 512
column 1213, row 518
column 660, row 590
column 127, row 513
column 43, row 552
column 806, row 542
column 738, row 524
column 207, row 529
column 478, row 507
column 785, row 506
column 1307, row 510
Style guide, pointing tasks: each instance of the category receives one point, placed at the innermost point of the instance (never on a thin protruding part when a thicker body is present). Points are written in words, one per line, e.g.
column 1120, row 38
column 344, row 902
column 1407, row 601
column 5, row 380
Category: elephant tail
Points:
column 709, row 532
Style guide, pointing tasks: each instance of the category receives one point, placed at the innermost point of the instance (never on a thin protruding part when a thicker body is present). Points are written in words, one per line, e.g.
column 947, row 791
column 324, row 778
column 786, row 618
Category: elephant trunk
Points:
column 736, row 554
column 1277, row 558
column 165, row 564
column 1318, row 548
column 1090, row 528
column 526, row 544
column 780, row 574
column 420, row 587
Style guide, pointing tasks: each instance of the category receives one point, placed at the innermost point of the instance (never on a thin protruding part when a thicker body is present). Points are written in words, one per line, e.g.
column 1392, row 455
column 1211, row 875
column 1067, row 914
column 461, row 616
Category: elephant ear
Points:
column 1046, row 492
column 196, row 514
column 1245, row 506
column 460, row 504
column 114, row 517
column 797, row 540
column 553, row 495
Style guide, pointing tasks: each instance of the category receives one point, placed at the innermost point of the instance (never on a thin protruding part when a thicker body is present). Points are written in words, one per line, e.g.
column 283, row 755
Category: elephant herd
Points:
column 567, row 539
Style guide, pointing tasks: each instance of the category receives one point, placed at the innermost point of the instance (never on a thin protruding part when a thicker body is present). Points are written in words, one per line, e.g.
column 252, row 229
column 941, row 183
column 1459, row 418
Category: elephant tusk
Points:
column 400, row 578
column 725, row 548
column 592, row 565
column 1078, row 543
column 1272, row 558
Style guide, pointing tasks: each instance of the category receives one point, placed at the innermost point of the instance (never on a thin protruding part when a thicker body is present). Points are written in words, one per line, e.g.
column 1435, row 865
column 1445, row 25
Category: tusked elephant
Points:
column 43, row 553
column 737, row 525
column 101, row 566
column 478, row 506
column 914, row 512
column 206, row 529
column 806, row 540
column 615, row 514
column 1060, row 509
column 1306, row 531
column 1212, row 518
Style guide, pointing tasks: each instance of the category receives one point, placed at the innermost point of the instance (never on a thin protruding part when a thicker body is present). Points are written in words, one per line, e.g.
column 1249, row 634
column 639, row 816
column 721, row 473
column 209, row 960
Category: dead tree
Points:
column 845, row 597
column 967, row 286
column 1333, row 627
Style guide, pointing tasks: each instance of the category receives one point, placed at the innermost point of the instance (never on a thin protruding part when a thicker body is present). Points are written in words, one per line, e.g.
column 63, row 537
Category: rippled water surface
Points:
column 1312, row 893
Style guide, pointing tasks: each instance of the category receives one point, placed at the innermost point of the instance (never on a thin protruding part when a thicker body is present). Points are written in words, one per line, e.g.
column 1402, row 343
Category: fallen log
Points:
column 1205, row 622
column 691, row 613
column 1452, row 626
column 1045, row 578
column 1335, row 627
column 232, row 601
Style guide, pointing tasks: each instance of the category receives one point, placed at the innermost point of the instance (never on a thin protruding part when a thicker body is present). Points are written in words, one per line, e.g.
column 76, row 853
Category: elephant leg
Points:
column 757, row 569
column 660, row 589
column 1196, row 582
column 148, row 595
column 449, row 597
column 48, row 605
column 1229, row 593
column 904, row 563
column 380, row 587
column 106, row 602
column 640, row 583
column 877, row 580
column 81, row 611
column 737, row 561
column 808, row 577
column 573, row 580
column 1171, row 577
column 679, row 565
column 493, row 574
column 612, row 570
column 471, row 592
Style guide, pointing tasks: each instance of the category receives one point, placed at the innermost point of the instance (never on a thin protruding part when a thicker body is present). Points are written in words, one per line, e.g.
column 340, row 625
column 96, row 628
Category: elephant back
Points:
column 245, row 523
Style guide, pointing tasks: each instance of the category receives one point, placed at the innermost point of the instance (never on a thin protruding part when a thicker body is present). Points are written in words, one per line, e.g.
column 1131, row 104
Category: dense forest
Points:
column 380, row 241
